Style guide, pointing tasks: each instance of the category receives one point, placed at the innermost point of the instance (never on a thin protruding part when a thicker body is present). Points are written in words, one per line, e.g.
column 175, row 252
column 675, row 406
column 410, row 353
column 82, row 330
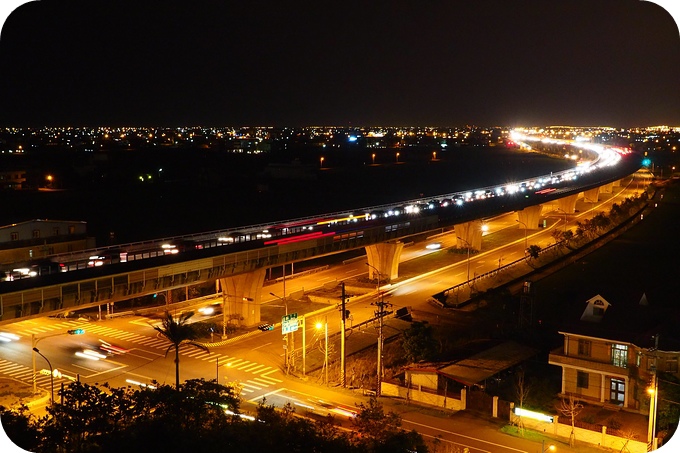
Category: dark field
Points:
column 644, row 260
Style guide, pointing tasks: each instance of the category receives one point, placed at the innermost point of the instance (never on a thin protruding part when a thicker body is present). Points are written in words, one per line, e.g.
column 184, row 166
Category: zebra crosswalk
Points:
column 262, row 374
column 25, row 374
column 226, row 363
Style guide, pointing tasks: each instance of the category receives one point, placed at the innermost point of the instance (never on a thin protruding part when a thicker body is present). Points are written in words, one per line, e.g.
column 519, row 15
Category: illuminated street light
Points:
column 397, row 157
column 51, row 372
column 565, row 218
column 549, row 448
column 34, row 344
column 319, row 325
column 525, row 234
column 321, row 162
column 373, row 158
column 653, row 398
column 468, row 257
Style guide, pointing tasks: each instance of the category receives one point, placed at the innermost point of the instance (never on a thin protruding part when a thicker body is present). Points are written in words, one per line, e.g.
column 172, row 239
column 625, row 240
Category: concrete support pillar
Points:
column 385, row 258
column 617, row 183
column 529, row 217
column 469, row 233
column 607, row 188
column 242, row 296
column 602, row 388
column 591, row 196
column 567, row 204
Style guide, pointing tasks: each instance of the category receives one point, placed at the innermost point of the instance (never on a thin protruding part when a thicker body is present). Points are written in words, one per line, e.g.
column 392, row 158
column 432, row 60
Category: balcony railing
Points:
column 557, row 357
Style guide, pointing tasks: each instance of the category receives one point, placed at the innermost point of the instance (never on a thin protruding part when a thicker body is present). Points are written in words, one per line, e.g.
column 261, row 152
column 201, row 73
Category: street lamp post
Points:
column 304, row 347
column 544, row 449
column 653, row 400
column 51, row 373
column 288, row 343
column 468, row 257
column 34, row 346
column 325, row 357
column 321, row 162
column 525, row 234
column 565, row 218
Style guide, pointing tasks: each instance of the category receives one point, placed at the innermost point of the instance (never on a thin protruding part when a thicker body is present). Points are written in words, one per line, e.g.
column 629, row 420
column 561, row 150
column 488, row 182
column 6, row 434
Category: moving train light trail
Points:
column 317, row 227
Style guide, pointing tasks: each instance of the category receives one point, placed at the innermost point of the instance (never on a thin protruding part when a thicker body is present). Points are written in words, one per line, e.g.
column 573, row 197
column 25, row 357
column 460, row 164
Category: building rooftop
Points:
column 636, row 320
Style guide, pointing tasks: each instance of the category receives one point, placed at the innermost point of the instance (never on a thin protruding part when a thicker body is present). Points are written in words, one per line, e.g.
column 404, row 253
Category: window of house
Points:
column 36, row 234
column 584, row 347
column 582, row 379
column 14, row 236
column 55, row 231
column 620, row 355
column 598, row 308
column 672, row 365
column 71, row 229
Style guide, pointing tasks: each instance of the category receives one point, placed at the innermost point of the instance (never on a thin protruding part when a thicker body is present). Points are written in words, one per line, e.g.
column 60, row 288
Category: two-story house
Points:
column 610, row 352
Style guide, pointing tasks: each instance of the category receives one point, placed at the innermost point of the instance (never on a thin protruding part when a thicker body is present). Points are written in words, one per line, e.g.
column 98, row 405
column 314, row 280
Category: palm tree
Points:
column 179, row 332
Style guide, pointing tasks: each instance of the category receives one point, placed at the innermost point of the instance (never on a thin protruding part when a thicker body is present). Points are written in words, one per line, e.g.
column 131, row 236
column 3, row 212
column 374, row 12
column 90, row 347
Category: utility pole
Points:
column 380, row 313
column 343, row 362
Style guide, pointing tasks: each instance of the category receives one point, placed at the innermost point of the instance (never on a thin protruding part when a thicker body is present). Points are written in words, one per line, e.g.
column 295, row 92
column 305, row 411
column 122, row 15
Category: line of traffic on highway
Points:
column 340, row 225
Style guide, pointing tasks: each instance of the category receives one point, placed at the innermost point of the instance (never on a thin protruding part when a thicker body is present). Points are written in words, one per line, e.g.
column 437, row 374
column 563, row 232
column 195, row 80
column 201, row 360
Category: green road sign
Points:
column 289, row 323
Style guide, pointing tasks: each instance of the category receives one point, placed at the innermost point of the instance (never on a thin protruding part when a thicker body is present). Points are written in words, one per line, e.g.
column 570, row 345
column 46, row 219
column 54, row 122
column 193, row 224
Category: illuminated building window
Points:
column 620, row 355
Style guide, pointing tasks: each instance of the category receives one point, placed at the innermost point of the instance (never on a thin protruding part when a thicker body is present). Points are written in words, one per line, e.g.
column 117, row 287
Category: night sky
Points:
column 348, row 63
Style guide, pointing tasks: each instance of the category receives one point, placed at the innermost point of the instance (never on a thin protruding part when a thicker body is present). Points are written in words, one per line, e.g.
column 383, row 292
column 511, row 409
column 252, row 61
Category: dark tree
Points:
column 179, row 332
column 419, row 342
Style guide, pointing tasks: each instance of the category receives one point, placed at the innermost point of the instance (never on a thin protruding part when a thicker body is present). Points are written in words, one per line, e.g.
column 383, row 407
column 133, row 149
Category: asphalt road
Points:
column 256, row 362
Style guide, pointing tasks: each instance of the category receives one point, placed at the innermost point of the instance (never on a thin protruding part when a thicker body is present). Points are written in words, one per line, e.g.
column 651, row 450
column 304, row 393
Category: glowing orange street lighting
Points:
column 321, row 160
column 397, row 157
column 434, row 155
column 373, row 157
column 318, row 326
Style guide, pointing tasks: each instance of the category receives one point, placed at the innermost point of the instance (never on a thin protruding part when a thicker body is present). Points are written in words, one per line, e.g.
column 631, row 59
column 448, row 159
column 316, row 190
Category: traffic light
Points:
column 76, row 331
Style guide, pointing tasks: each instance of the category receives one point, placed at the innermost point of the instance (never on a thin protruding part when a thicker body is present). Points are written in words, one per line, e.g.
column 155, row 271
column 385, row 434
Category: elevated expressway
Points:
column 239, row 269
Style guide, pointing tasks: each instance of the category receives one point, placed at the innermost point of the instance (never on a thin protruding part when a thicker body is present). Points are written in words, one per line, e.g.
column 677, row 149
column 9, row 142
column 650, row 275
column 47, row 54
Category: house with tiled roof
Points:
column 611, row 350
